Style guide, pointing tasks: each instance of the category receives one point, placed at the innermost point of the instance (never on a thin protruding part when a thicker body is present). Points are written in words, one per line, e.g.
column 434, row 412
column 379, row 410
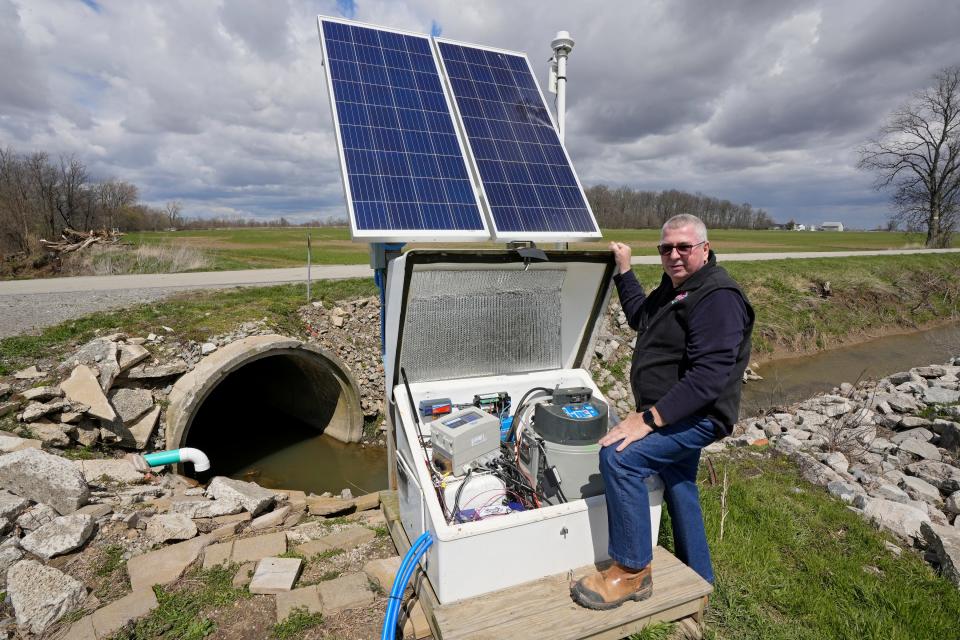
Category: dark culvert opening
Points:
column 265, row 422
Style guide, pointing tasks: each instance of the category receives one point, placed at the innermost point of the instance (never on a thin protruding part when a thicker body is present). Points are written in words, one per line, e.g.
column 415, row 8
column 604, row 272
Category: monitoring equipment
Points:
column 465, row 437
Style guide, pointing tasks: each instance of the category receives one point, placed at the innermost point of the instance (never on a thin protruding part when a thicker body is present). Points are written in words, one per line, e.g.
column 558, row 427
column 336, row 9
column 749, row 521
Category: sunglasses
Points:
column 683, row 249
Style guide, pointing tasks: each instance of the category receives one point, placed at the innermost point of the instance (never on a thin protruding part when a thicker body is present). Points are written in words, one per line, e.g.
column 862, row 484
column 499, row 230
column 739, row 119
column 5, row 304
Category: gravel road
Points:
column 29, row 305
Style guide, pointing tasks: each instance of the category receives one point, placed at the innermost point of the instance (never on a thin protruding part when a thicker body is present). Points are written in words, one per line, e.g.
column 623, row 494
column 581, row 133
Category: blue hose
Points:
column 407, row 567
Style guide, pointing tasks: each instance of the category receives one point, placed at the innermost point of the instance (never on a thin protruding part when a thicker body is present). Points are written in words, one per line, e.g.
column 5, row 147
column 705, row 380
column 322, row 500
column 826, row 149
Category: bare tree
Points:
column 73, row 184
column 917, row 154
column 114, row 196
column 172, row 209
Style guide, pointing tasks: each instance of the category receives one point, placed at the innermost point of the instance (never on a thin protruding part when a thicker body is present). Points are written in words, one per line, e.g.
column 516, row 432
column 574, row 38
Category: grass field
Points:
column 269, row 248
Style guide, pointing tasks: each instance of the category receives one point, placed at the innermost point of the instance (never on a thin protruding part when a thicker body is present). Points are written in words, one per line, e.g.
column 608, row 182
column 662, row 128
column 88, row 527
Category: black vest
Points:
column 660, row 356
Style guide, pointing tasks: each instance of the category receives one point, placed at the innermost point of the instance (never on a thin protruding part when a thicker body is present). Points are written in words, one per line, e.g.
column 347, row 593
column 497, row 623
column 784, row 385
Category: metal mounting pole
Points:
column 562, row 45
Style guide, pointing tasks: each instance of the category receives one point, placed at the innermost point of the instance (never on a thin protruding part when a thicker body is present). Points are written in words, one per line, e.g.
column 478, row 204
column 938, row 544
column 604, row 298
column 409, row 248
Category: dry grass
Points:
column 120, row 260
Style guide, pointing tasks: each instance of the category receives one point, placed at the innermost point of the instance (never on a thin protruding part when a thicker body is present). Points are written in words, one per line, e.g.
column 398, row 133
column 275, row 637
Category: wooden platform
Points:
column 543, row 608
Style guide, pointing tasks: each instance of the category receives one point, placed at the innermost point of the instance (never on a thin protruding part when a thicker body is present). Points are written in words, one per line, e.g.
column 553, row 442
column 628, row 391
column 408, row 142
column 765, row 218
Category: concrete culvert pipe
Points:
column 260, row 395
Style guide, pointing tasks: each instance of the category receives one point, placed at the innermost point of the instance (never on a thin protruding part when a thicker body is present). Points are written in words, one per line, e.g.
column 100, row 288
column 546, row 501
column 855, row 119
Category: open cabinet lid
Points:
column 466, row 313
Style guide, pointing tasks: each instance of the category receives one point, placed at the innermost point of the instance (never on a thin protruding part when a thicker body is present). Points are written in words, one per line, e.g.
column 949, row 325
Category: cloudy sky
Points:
column 222, row 104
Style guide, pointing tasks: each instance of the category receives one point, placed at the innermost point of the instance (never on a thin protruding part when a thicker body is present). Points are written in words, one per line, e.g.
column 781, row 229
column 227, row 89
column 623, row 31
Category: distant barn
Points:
column 831, row 226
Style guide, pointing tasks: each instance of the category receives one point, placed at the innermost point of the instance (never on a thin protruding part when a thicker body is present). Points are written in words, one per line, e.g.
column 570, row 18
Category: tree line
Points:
column 40, row 197
column 626, row 208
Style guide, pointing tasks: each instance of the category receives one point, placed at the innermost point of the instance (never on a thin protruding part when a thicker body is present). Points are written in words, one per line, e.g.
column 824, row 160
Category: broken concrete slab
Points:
column 113, row 617
column 244, row 574
column 383, row 571
column 5, row 390
column 146, row 372
column 61, row 536
column 30, row 373
column 8, row 556
column 273, row 519
column 304, row 598
column 82, row 386
column 52, row 434
column 170, row 526
column 130, row 404
column 921, row 449
column 206, row 508
column 328, row 506
column 275, row 575
column 367, row 502
column 350, row 591
column 130, row 355
column 166, row 565
column 6, row 408
column 96, row 511
column 110, row 471
column 41, row 595
column 42, row 394
column 259, row 547
column 36, row 410
column 900, row 519
column 46, row 478
column 252, row 496
column 140, row 432
column 217, row 554
column 9, row 444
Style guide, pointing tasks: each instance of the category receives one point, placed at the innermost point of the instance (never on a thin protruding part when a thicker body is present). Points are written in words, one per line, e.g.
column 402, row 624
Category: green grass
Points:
column 656, row 631
column 299, row 620
column 326, row 555
column 796, row 564
column 182, row 610
column 111, row 561
column 271, row 248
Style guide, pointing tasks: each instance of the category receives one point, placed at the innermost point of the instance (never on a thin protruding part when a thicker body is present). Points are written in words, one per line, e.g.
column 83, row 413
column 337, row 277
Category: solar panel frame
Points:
column 498, row 234
column 402, row 235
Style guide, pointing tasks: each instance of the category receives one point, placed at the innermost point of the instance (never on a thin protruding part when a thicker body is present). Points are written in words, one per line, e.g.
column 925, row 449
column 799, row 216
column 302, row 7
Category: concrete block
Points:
column 217, row 554
column 307, row 597
column 346, row 592
column 117, row 614
column 259, row 547
column 275, row 575
column 166, row 565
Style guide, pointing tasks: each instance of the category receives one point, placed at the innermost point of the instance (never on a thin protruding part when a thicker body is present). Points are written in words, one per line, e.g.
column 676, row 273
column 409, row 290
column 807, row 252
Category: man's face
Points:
column 677, row 266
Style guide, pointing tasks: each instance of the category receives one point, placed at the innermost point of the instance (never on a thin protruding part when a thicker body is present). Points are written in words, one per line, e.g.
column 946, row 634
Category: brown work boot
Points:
column 612, row 587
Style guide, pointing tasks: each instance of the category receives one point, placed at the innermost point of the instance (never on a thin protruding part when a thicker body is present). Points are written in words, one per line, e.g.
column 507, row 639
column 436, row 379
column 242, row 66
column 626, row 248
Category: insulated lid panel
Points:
column 526, row 174
column 403, row 164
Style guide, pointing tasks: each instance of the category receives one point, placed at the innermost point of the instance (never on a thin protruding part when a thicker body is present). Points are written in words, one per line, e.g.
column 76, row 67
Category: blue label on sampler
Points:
column 580, row 411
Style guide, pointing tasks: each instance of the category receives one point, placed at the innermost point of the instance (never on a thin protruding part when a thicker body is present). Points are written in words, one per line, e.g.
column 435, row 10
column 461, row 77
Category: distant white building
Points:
column 800, row 227
column 831, row 226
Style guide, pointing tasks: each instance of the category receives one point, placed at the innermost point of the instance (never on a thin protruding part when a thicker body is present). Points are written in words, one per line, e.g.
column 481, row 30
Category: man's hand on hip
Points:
column 630, row 429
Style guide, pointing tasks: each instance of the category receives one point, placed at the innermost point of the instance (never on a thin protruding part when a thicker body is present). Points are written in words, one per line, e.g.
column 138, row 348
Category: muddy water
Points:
column 793, row 379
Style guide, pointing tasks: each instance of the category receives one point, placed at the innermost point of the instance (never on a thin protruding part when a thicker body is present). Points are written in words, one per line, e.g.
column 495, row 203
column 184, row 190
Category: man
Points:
column 693, row 344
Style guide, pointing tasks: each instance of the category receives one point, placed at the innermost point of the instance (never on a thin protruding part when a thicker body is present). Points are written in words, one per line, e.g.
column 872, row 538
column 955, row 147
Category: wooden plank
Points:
column 544, row 608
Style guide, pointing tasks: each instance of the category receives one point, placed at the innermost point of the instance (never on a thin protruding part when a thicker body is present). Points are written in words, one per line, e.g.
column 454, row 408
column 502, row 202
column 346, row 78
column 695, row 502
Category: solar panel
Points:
column 404, row 167
column 526, row 175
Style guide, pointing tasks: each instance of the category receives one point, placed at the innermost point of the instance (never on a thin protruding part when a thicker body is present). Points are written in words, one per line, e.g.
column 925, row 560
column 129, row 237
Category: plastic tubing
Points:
column 407, row 567
column 185, row 454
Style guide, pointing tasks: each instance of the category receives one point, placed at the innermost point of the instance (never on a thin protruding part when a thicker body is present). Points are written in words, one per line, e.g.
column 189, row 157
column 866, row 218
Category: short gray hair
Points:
column 686, row 220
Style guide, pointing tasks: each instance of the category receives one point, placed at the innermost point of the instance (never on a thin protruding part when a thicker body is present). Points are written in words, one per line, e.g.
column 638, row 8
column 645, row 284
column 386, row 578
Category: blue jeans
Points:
column 673, row 452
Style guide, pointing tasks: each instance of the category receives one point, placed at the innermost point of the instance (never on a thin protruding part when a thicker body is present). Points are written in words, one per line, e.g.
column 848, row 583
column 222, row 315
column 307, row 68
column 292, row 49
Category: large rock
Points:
column 939, row 395
column 900, row 519
column 351, row 591
column 919, row 433
column 100, row 353
column 109, row 471
column 8, row 556
column 944, row 543
column 42, row 477
column 50, row 433
column 42, row 595
column 207, row 508
column 939, row 474
column 949, row 435
column 921, row 490
column 815, row 472
column 921, row 449
column 42, row 394
column 253, row 497
column 9, row 444
column 37, row 410
column 130, row 404
column 36, row 516
column 130, row 355
column 82, row 386
column 170, row 526
column 63, row 535
column 12, row 506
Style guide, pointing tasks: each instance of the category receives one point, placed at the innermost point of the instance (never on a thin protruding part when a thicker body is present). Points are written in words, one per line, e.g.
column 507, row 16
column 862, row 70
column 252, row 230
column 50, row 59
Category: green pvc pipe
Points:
column 175, row 456
column 161, row 458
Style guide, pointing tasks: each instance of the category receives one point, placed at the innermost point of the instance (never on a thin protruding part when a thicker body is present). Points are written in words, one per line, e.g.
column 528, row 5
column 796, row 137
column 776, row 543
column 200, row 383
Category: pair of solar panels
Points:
column 418, row 166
